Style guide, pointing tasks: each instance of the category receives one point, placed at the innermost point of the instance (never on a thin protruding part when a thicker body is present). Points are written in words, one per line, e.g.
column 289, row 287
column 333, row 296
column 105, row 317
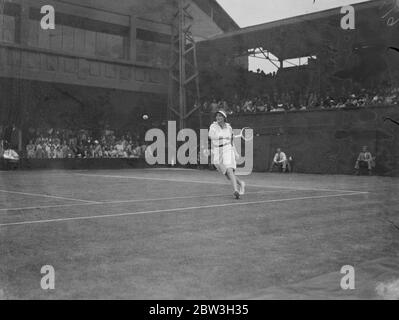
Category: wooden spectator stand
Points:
column 76, row 164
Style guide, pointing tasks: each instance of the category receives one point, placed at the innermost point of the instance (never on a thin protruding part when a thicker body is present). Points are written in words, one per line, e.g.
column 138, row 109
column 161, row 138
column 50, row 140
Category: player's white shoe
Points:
column 242, row 188
column 237, row 195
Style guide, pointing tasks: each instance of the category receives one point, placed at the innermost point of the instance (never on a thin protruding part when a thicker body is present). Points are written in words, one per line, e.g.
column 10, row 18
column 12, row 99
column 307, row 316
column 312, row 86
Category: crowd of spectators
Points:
column 60, row 144
column 291, row 101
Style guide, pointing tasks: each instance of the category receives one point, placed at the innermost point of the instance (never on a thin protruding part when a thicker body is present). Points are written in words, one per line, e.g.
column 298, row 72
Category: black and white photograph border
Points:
column 199, row 150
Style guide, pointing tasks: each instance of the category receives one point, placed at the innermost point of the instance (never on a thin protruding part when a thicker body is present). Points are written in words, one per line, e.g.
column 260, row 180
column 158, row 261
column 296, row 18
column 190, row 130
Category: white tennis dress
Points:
column 223, row 151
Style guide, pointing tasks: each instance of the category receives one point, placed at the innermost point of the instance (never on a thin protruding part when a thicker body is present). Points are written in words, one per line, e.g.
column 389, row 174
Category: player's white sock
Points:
column 242, row 188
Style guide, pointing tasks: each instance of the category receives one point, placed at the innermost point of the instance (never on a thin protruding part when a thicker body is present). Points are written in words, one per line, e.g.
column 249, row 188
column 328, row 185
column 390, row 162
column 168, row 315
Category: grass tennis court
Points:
column 179, row 234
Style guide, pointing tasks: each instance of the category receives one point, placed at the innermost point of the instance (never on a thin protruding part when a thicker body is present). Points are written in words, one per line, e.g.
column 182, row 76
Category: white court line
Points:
column 231, row 204
column 129, row 201
column 212, row 182
column 45, row 196
column 169, row 169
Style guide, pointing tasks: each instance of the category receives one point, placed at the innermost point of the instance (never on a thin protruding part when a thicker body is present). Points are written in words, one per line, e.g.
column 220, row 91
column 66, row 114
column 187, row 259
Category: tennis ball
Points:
column 145, row 117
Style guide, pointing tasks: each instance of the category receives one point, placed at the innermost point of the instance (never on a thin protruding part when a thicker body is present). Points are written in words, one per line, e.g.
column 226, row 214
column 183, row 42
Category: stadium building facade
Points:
column 342, row 66
column 116, row 53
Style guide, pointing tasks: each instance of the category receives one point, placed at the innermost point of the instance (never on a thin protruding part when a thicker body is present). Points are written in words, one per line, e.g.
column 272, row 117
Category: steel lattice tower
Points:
column 184, row 92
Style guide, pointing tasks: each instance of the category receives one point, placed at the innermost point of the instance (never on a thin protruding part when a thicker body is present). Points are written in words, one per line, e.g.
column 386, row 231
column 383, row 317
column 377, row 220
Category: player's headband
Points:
column 222, row 113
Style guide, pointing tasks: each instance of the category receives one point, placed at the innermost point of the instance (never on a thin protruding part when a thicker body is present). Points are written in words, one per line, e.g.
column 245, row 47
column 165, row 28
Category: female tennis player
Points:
column 224, row 152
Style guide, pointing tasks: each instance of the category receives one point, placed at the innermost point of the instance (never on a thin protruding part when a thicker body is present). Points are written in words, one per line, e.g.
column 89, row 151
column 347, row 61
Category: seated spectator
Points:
column 280, row 161
column 40, row 152
column 136, row 152
column 341, row 104
column 119, row 147
column 90, row 151
column 280, row 108
column 11, row 157
column 52, row 153
column 58, row 152
column 143, row 149
column 1, row 148
column 261, row 108
column 80, row 152
column 214, row 106
column 66, row 151
column 114, row 152
column 129, row 149
column 10, row 154
column 224, row 105
column 97, row 153
column 205, row 107
column 30, row 150
column 364, row 160
column 248, row 105
column 377, row 99
column 236, row 108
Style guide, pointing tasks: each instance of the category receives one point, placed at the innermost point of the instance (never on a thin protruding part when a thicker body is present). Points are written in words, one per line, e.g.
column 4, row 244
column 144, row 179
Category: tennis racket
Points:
column 246, row 134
